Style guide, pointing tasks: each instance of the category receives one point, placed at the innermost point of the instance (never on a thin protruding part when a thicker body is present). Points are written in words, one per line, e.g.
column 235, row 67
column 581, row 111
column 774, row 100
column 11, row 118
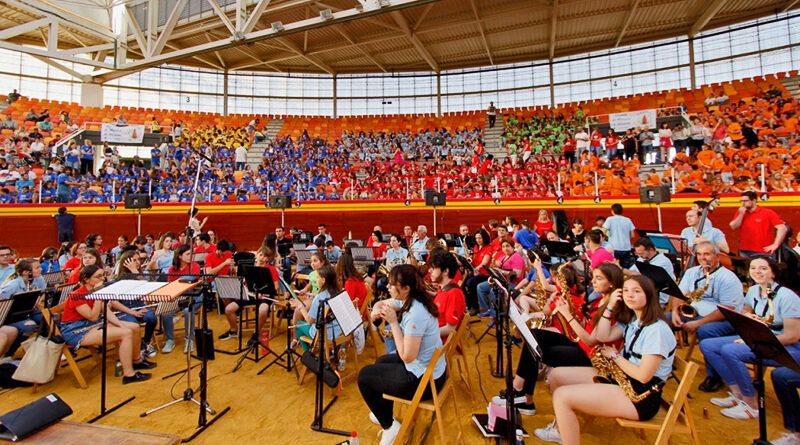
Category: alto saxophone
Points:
column 567, row 297
column 686, row 309
column 608, row 371
column 770, row 317
column 540, row 298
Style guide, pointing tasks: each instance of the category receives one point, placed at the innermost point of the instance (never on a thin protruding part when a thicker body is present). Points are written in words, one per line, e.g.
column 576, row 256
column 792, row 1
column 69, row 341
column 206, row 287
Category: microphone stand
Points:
column 504, row 326
column 501, row 317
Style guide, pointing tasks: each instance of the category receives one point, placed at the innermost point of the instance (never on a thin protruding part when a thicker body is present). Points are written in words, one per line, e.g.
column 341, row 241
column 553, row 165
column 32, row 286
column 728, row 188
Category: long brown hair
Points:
column 331, row 285
column 652, row 310
column 408, row 275
column 613, row 274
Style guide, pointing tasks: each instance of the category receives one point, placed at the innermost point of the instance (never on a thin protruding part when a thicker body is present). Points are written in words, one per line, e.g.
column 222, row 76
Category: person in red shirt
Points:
column 182, row 265
column 91, row 257
column 203, row 244
column 481, row 256
column 351, row 279
column 756, row 225
column 76, row 253
column 449, row 299
column 80, row 313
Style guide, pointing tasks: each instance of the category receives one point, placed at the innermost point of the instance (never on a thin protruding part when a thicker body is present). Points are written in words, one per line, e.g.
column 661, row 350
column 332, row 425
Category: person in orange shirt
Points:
column 616, row 186
column 577, row 189
column 734, row 130
column 705, row 157
column 653, row 180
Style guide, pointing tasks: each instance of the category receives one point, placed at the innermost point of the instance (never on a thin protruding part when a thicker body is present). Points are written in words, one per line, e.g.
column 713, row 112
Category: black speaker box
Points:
column 655, row 195
column 432, row 198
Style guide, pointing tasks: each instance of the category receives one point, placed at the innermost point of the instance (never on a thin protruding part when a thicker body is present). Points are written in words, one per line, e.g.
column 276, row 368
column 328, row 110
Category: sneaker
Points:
column 169, row 346
column 486, row 314
column 787, row 439
column 136, row 377
column 741, row 411
column 725, row 402
column 150, row 351
column 228, row 335
column 188, row 346
column 389, row 435
column 549, row 433
column 144, row 364
column 373, row 419
column 519, row 397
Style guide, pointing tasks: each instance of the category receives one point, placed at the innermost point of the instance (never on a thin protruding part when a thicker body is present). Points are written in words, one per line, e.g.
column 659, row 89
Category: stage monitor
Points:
column 435, row 199
column 137, row 202
column 655, row 195
column 280, row 201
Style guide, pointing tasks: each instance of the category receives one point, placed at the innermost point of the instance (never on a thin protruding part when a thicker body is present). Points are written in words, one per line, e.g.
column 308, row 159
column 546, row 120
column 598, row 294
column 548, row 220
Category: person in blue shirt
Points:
column 155, row 156
column 413, row 318
column 27, row 276
column 25, row 196
column 328, row 285
column 620, row 231
column 526, row 237
column 64, row 182
column 5, row 196
column 774, row 305
column 87, row 157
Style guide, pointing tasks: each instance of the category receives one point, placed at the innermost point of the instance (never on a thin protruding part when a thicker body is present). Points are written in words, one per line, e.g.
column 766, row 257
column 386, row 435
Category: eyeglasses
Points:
column 5, row 254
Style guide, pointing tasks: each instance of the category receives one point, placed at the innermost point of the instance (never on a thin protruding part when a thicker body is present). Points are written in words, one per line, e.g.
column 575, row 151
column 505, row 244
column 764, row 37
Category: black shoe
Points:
column 144, row 364
column 227, row 335
column 473, row 312
column 137, row 377
column 711, row 384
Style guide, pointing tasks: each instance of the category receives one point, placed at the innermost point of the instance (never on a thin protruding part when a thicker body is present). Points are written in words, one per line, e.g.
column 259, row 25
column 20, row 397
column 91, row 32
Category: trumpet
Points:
column 688, row 310
column 608, row 371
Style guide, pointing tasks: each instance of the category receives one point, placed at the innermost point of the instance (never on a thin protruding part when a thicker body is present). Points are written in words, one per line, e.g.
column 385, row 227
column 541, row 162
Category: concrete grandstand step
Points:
column 492, row 138
column 273, row 128
column 792, row 84
column 660, row 169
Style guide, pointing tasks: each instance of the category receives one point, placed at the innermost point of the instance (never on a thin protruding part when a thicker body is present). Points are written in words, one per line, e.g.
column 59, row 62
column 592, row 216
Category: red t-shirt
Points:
column 356, row 289
column 174, row 274
column 477, row 258
column 72, row 263
column 543, row 227
column 759, row 228
column 74, row 275
column 379, row 251
column 200, row 249
column 452, row 305
column 74, row 300
column 213, row 260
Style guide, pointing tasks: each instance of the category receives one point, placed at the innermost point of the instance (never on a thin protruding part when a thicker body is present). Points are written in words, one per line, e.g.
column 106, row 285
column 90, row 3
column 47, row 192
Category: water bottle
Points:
column 118, row 369
column 353, row 438
column 342, row 356
column 520, row 440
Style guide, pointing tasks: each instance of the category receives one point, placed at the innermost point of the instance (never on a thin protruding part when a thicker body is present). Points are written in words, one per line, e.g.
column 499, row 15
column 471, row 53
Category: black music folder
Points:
column 22, row 422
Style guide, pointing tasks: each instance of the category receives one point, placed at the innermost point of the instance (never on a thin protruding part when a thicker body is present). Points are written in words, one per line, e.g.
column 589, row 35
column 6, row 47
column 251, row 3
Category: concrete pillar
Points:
column 225, row 93
column 692, row 73
column 91, row 94
column 335, row 98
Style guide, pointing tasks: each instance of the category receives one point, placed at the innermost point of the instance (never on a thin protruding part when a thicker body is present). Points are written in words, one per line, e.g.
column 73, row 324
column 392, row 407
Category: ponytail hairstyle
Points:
column 406, row 275
column 87, row 273
column 614, row 275
column 22, row 266
column 331, row 282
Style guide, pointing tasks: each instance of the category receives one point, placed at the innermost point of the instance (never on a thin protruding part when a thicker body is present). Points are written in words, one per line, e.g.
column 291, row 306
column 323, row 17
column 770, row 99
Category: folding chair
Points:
column 674, row 416
column 458, row 357
column 50, row 317
column 435, row 405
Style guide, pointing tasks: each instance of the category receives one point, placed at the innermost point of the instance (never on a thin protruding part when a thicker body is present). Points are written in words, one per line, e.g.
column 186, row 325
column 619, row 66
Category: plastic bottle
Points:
column 118, row 369
column 342, row 356
column 520, row 438
column 353, row 438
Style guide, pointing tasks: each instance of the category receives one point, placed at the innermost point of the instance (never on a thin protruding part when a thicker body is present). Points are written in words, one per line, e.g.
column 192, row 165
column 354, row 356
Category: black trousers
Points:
column 86, row 166
column 471, row 290
column 389, row 376
column 557, row 350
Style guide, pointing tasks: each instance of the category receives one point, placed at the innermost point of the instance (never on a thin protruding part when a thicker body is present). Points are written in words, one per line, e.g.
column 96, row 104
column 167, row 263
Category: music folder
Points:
column 345, row 312
column 663, row 282
column 26, row 420
column 760, row 338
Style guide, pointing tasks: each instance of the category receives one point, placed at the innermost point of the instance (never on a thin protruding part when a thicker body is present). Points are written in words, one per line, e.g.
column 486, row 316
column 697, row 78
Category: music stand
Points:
column 289, row 353
column 765, row 346
column 363, row 255
column 500, row 282
column 232, row 288
column 644, row 233
column 357, row 242
column 560, row 249
column 53, row 278
column 23, row 304
column 259, row 282
column 303, row 257
column 663, row 282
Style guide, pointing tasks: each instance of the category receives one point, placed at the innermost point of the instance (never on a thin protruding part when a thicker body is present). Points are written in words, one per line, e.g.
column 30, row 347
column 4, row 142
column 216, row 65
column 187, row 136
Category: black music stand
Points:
column 663, row 282
column 765, row 346
column 259, row 281
column 22, row 306
column 560, row 249
column 500, row 283
column 232, row 288
column 289, row 353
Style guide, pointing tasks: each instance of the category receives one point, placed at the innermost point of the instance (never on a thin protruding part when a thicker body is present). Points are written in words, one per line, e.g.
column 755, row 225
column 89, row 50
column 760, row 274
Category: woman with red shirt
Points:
column 80, row 313
column 481, row 256
column 351, row 280
column 76, row 252
column 378, row 246
column 543, row 224
column 90, row 257
column 182, row 264
column 557, row 349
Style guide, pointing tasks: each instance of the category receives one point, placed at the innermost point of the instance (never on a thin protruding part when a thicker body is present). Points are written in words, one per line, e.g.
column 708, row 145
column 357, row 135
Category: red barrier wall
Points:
column 31, row 228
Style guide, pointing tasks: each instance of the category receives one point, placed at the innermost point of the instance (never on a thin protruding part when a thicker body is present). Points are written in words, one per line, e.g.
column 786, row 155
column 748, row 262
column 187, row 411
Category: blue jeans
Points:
column 168, row 325
column 710, row 330
column 149, row 320
column 485, row 292
column 729, row 360
column 786, row 381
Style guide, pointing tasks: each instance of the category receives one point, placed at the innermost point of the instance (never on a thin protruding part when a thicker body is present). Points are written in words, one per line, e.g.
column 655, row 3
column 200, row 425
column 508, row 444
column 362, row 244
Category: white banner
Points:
column 128, row 134
column 632, row 119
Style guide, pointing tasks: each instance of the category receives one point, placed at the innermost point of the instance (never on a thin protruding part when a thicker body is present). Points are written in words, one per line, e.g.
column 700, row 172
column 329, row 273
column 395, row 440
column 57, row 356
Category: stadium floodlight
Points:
column 326, row 14
column 277, row 26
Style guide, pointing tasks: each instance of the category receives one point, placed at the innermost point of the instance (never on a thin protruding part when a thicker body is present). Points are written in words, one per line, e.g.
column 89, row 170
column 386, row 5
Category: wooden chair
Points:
column 434, row 405
column 49, row 316
column 675, row 415
column 458, row 357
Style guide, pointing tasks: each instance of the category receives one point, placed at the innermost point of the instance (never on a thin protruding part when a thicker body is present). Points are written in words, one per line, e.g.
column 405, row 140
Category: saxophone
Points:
column 770, row 317
column 565, row 295
column 608, row 371
column 540, row 297
column 686, row 309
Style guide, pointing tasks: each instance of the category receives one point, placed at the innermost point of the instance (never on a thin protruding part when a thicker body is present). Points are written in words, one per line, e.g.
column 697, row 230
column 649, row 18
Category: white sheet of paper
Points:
column 519, row 321
column 345, row 312
column 126, row 290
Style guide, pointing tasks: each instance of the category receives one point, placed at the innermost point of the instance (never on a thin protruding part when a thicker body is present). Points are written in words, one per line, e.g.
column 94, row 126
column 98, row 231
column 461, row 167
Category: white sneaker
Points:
column 150, row 351
column 9, row 359
column 725, row 402
column 188, row 346
column 787, row 439
column 169, row 346
column 388, row 436
column 741, row 411
column 373, row 419
column 549, row 433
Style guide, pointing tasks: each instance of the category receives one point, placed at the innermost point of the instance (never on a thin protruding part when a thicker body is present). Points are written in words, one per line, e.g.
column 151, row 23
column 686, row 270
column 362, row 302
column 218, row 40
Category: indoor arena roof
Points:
column 350, row 36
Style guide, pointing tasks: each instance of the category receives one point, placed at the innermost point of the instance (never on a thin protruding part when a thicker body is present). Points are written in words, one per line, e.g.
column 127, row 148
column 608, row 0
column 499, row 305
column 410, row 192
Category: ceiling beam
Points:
column 87, row 49
column 151, row 33
column 422, row 16
column 61, row 67
column 24, row 28
column 374, row 21
column 627, row 22
column 44, row 53
column 222, row 16
column 255, row 16
column 401, row 21
column 708, row 14
column 789, row 5
column 483, row 32
column 310, row 59
column 137, row 30
column 216, row 53
column 169, row 26
column 553, row 20
column 65, row 16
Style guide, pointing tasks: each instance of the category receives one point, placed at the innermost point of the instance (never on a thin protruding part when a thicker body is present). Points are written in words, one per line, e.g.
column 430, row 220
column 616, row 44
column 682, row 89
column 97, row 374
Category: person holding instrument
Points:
column 133, row 311
column 774, row 305
column 413, row 318
column 712, row 285
column 642, row 367
column 481, row 256
column 328, row 287
column 265, row 257
column 557, row 349
column 79, row 326
column 511, row 265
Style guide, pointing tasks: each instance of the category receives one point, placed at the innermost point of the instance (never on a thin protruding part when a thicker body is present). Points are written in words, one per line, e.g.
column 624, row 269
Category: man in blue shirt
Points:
column 155, row 156
column 620, row 230
column 64, row 181
column 526, row 237
column 87, row 157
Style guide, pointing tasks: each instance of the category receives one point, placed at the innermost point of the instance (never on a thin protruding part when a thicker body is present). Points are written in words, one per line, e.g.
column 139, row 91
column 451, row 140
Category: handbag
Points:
column 42, row 355
column 22, row 422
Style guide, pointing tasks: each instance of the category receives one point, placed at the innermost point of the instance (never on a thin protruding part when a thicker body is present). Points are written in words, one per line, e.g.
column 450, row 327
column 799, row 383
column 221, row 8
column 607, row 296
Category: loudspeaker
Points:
column 280, row 202
column 561, row 225
column 137, row 202
column 204, row 340
column 438, row 199
column 319, row 142
column 438, row 141
column 655, row 195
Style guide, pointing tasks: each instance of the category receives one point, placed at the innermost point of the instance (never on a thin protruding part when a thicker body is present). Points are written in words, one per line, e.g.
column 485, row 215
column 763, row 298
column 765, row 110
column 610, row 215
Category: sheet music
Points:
column 345, row 312
column 519, row 321
column 5, row 307
column 126, row 290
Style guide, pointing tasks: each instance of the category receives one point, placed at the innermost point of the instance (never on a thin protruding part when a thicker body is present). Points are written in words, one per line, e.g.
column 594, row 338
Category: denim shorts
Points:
column 73, row 332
